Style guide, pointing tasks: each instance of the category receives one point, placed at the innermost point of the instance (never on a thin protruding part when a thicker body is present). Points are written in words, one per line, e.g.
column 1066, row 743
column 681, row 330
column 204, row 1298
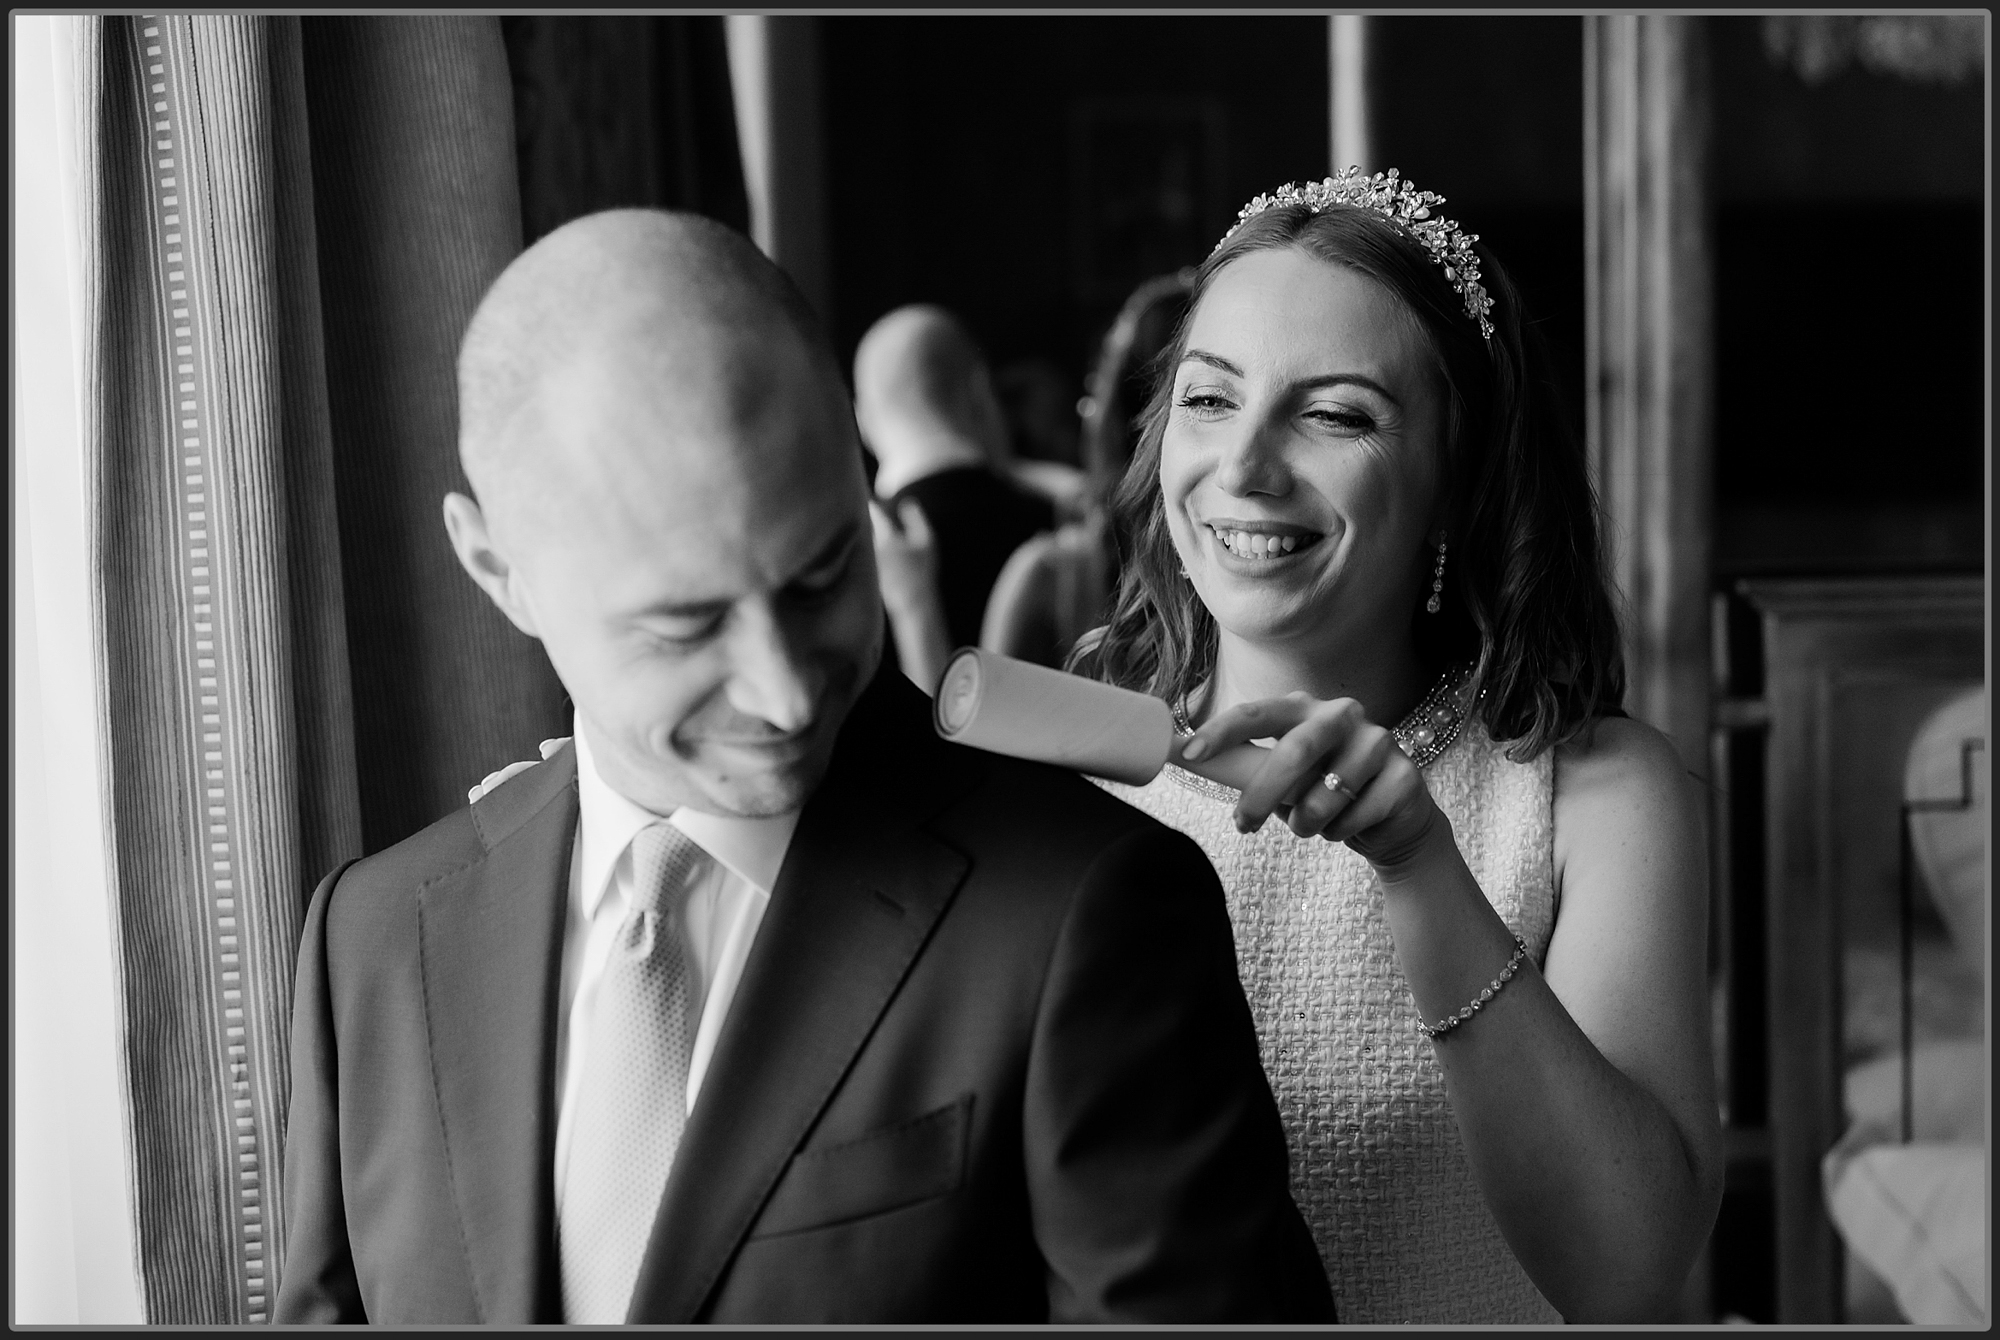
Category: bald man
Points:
column 927, row 411
column 757, row 1002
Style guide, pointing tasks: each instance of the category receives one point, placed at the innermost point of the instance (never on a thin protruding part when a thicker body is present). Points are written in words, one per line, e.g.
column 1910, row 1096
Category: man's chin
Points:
column 751, row 784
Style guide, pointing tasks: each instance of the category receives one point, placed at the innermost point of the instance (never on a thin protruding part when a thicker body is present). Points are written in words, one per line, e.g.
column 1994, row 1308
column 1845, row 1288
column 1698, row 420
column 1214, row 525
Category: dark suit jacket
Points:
column 988, row 1061
column 979, row 518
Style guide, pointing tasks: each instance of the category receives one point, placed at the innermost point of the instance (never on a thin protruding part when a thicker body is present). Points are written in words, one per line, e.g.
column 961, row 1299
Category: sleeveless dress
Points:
column 1377, row 1168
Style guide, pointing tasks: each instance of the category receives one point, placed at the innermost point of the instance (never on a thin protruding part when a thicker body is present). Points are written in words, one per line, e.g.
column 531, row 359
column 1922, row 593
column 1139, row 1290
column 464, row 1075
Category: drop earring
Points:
column 1436, row 602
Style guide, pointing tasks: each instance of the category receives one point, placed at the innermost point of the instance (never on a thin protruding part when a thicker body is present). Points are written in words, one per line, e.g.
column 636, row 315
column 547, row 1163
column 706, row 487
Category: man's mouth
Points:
column 771, row 741
column 1263, row 541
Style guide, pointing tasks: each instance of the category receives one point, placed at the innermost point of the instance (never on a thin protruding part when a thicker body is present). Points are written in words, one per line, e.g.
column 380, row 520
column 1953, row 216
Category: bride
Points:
column 1353, row 526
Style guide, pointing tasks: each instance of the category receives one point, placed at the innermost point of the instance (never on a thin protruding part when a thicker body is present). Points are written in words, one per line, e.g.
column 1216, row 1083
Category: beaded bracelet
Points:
column 1491, row 989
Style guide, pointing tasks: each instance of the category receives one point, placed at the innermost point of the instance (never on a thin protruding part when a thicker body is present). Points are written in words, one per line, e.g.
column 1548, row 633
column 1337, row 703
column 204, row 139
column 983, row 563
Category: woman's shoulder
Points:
column 1618, row 780
column 1618, row 752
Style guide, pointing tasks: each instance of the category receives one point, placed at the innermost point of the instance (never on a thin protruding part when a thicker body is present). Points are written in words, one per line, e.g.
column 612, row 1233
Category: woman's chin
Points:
column 1267, row 616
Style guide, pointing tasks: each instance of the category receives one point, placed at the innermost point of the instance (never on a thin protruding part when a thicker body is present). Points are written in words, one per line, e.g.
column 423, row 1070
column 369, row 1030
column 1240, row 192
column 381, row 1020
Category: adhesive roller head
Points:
column 1023, row 710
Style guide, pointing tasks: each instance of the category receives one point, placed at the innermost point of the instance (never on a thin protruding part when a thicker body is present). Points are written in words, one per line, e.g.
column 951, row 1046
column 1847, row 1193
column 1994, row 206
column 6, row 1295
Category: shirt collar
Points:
column 753, row 849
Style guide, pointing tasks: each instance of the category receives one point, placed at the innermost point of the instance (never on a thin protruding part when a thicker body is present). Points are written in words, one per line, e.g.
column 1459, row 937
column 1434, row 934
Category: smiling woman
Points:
column 1353, row 524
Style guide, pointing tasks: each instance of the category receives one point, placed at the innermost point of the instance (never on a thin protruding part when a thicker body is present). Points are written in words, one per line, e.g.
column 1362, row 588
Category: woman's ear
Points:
column 484, row 563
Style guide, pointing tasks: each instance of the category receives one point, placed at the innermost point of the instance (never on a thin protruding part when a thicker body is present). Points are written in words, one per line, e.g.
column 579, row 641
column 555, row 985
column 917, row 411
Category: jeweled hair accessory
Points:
column 1398, row 201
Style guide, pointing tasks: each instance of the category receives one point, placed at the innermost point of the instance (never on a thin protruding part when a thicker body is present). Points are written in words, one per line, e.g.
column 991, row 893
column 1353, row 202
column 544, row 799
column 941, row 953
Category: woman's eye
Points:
column 1204, row 404
column 1340, row 419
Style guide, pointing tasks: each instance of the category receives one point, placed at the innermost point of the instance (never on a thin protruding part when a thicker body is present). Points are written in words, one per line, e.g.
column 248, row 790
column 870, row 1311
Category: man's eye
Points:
column 684, row 632
column 820, row 581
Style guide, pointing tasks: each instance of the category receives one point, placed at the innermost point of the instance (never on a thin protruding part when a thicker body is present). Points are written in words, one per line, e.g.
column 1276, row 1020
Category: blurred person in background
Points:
column 1042, row 423
column 1058, row 586
column 1356, row 527
column 947, row 514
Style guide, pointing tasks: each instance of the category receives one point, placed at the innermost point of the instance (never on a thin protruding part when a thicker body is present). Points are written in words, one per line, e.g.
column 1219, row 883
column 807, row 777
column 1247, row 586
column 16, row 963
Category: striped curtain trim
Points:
column 201, row 425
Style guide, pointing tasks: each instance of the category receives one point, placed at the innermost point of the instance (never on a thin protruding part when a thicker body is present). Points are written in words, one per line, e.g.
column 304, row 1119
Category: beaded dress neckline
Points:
column 1424, row 733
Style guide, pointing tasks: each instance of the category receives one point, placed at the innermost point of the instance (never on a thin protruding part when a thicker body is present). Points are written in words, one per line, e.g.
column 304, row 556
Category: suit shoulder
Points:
column 451, row 843
column 1056, row 812
column 460, row 838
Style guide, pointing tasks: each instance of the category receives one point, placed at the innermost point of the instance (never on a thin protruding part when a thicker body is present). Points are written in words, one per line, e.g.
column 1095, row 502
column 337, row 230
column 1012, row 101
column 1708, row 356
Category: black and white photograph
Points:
column 1000, row 668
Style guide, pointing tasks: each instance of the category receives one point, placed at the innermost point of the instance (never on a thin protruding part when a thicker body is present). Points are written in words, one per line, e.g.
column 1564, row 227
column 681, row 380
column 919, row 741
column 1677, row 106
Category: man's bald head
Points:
column 690, row 300
column 922, row 392
column 670, row 498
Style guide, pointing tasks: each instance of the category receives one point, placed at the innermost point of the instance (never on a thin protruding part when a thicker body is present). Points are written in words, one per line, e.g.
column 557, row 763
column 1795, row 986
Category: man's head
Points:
column 670, row 498
column 923, row 396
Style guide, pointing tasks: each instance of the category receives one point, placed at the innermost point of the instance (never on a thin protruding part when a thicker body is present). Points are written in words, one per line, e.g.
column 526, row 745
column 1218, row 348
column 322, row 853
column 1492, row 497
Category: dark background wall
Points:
column 1850, row 296
column 1488, row 112
column 1029, row 172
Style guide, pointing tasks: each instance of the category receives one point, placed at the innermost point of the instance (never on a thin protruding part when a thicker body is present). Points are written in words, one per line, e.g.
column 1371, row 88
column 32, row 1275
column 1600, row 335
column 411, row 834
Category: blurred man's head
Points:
column 924, row 398
column 670, row 498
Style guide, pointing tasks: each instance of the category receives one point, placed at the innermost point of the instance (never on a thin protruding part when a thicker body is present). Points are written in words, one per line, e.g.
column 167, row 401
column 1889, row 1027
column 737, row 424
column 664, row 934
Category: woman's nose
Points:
column 1252, row 461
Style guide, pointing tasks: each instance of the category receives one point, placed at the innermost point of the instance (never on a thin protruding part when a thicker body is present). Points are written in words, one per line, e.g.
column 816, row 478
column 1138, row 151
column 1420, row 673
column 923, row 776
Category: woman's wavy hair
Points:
column 1525, row 597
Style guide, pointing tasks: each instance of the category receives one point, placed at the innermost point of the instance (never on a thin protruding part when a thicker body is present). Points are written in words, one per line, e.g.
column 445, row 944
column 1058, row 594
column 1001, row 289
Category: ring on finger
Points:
column 1332, row 782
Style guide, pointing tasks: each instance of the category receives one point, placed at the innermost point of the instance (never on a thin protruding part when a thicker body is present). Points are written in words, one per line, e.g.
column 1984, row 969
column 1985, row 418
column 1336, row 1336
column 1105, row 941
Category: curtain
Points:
column 283, row 226
column 415, row 194
column 227, row 750
column 578, row 83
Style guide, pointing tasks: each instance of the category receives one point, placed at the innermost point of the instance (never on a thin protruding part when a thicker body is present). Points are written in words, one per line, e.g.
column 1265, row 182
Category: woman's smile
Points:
column 1260, row 547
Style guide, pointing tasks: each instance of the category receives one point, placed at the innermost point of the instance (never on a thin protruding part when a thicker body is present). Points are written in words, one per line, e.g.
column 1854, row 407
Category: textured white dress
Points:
column 1377, row 1168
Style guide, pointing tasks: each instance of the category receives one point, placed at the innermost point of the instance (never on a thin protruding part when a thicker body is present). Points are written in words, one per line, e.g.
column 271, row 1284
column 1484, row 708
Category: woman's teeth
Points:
column 1247, row 544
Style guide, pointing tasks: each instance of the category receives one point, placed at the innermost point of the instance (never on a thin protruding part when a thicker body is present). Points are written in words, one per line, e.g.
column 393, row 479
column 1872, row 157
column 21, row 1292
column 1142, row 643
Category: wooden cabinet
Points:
column 1850, row 668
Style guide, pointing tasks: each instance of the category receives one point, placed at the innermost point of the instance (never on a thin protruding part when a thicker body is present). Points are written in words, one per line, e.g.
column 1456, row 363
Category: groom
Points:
column 758, row 1003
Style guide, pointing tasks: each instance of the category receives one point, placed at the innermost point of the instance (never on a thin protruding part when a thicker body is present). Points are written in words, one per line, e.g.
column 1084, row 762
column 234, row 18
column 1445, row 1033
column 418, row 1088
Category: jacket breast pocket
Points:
column 912, row 1161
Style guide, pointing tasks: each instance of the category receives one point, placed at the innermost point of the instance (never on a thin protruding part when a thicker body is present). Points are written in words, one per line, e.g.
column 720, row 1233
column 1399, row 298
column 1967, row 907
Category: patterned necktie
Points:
column 632, row 1099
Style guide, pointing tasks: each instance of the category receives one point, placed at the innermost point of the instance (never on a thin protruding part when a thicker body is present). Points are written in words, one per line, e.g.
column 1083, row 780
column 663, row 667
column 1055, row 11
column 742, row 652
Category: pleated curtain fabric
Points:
column 285, row 226
column 417, row 196
column 217, row 615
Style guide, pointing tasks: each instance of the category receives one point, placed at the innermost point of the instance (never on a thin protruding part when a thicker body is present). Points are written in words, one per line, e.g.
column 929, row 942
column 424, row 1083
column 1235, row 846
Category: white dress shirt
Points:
column 732, row 887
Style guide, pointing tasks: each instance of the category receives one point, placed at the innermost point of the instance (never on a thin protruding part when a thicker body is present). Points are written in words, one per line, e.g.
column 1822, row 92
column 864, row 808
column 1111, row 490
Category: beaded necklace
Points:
column 1424, row 734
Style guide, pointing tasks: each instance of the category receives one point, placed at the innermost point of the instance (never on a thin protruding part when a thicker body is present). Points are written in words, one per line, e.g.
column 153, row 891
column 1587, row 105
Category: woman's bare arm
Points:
column 1584, row 1092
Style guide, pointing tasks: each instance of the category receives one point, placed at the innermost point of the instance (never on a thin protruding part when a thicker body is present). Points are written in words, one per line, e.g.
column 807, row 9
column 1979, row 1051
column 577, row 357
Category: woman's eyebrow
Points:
column 1213, row 360
column 1350, row 379
column 1222, row 364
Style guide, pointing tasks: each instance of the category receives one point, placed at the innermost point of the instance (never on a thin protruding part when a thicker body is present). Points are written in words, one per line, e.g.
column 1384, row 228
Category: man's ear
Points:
column 484, row 563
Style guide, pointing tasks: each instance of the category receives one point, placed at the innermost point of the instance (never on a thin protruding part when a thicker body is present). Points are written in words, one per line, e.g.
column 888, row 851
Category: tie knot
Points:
column 663, row 859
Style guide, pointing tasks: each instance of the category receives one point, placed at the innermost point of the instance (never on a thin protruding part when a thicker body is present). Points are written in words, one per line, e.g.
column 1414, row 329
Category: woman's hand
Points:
column 494, row 779
column 906, row 562
column 906, row 568
column 1380, row 806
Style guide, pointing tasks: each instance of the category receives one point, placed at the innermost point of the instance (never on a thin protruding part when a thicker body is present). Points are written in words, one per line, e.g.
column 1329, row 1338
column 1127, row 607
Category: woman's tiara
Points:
column 1399, row 201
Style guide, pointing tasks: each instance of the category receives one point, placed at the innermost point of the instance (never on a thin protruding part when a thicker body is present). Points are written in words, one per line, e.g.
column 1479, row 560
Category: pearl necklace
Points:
column 1424, row 734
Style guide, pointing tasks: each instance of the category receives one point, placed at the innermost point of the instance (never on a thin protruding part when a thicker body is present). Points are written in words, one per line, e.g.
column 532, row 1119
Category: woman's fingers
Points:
column 1295, row 764
column 1263, row 719
column 1356, row 766
column 1396, row 790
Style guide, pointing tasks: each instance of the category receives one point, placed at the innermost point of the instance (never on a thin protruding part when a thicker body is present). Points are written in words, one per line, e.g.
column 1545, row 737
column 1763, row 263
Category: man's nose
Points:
column 1252, row 460
column 769, row 679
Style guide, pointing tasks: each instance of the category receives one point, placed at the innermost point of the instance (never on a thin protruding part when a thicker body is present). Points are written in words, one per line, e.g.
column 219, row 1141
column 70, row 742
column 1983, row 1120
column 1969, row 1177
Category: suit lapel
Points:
column 491, row 939
column 861, row 888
